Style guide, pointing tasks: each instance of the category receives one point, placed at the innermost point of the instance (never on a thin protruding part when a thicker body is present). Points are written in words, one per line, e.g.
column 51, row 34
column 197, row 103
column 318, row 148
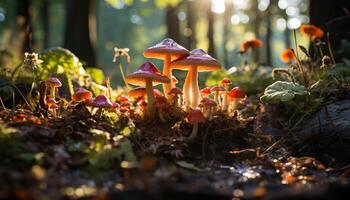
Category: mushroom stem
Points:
column 187, row 89
column 225, row 100
column 194, row 132
column 150, row 98
column 167, row 72
column 52, row 92
column 194, row 87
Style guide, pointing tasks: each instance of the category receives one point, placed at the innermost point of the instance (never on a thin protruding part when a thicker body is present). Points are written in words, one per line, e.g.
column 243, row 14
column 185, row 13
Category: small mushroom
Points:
column 225, row 82
column 52, row 83
column 210, row 108
column 206, row 92
column 149, row 75
column 175, row 92
column 52, row 104
column 81, row 95
column 196, row 116
column 236, row 94
column 160, row 103
column 101, row 102
column 197, row 61
column 166, row 50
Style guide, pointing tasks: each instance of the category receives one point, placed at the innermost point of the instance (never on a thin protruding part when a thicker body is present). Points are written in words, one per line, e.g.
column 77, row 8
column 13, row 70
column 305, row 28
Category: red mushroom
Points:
column 52, row 104
column 195, row 117
column 149, row 75
column 236, row 94
column 166, row 50
column 206, row 92
column 81, row 95
column 197, row 61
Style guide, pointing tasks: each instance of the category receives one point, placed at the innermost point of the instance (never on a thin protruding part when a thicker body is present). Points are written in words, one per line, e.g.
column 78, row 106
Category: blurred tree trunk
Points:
column 45, row 22
column 191, row 24
column 226, row 32
column 256, row 27
column 24, row 26
column 78, row 29
column 210, row 33
column 332, row 17
column 268, row 38
column 172, row 23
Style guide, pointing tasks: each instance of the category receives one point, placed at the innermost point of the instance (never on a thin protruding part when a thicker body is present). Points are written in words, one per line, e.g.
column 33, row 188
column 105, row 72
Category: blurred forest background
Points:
column 92, row 28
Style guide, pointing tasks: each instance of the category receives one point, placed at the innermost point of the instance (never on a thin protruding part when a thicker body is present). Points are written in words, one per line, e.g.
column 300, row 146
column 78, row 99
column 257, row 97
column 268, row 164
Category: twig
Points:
column 2, row 104
column 20, row 93
column 296, row 54
column 330, row 48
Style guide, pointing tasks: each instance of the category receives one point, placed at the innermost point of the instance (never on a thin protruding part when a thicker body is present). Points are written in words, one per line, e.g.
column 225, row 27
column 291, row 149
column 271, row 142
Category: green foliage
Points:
column 59, row 61
column 102, row 155
column 282, row 91
column 97, row 75
column 251, row 82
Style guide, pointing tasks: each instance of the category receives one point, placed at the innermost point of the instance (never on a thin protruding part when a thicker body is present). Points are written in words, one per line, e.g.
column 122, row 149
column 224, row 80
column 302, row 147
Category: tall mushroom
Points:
column 225, row 82
column 52, row 83
column 197, row 61
column 195, row 117
column 147, row 74
column 166, row 50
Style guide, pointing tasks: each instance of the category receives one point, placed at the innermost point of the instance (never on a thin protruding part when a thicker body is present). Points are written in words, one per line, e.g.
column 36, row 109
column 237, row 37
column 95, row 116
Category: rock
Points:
column 326, row 135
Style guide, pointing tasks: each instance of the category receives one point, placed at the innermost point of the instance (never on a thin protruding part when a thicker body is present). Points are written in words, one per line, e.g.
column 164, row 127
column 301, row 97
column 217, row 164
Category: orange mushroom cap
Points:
column 196, row 116
column 287, row 56
column 81, row 94
column 53, row 82
column 199, row 58
column 146, row 71
column 137, row 92
column 237, row 93
column 311, row 31
column 250, row 44
column 166, row 47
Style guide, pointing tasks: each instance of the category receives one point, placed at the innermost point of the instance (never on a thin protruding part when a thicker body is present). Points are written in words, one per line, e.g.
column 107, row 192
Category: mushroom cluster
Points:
column 148, row 102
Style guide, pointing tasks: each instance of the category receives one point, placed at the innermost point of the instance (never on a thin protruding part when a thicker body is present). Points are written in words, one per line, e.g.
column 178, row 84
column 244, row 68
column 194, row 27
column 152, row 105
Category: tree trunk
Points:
column 45, row 22
column 210, row 33
column 268, row 39
column 24, row 25
column 226, row 32
column 191, row 24
column 78, row 32
column 172, row 23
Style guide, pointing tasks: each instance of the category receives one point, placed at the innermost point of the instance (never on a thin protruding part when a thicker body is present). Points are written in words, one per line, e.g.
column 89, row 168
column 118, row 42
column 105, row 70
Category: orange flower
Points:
column 255, row 43
column 287, row 56
column 311, row 31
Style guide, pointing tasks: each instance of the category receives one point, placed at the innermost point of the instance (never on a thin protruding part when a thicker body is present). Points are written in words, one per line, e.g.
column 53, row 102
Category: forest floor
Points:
column 79, row 156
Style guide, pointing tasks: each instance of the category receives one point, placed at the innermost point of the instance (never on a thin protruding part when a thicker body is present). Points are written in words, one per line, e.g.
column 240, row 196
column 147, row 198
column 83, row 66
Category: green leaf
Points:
column 97, row 75
column 282, row 91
